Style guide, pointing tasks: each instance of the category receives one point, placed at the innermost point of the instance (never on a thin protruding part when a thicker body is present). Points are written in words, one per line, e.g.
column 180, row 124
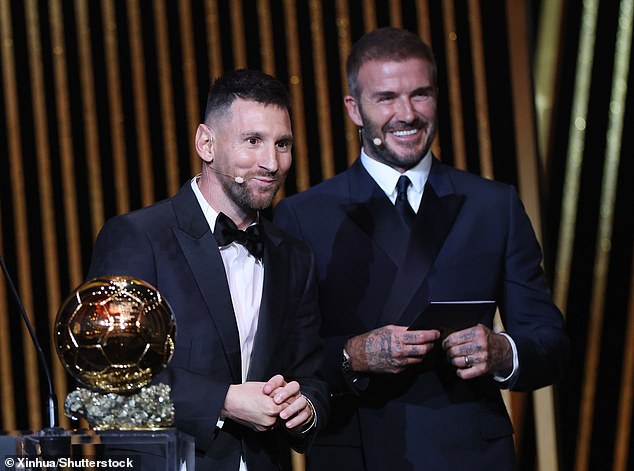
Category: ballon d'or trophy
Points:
column 113, row 335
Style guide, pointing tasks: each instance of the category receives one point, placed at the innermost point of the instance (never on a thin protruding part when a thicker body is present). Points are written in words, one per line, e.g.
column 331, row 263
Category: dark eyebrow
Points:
column 425, row 91
column 385, row 94
column 285, row 138
column 248, row 134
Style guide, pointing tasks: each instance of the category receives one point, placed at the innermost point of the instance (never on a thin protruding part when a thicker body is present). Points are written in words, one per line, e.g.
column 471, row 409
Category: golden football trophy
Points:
column 113, row 335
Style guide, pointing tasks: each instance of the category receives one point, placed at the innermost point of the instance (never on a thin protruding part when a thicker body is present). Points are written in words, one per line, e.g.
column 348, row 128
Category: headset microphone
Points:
column 377, row 142
column 238, row 179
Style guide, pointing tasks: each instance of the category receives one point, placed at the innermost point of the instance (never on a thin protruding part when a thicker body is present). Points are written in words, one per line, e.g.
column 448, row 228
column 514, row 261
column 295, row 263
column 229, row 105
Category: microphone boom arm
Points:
column 52, row 399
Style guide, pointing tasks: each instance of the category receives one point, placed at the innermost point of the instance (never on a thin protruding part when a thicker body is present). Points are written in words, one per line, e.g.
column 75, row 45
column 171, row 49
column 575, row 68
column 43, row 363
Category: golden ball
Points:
column 114, row 334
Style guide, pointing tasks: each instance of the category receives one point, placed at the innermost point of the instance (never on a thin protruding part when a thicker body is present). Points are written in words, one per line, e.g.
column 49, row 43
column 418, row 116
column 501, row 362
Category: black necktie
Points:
column 401, row 204
column 226, row 232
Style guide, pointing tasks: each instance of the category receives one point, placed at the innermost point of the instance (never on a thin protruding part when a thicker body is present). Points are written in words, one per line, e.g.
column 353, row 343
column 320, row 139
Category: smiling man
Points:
column 394, row 103
column 244, row 376
column 394, row 232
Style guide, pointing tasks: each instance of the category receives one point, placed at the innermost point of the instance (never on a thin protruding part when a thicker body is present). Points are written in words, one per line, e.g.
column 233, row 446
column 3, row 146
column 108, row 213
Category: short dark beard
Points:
column 382, row 153
column 240, row 195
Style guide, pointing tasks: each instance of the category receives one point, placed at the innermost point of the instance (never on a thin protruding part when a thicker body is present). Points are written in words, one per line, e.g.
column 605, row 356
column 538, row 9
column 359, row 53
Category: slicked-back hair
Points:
column 386, row 44
column 247, row 84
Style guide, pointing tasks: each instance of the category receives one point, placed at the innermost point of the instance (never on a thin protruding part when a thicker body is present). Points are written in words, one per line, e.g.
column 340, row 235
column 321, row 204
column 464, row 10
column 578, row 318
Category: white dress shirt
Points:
column 386, row 177
column 245, row 276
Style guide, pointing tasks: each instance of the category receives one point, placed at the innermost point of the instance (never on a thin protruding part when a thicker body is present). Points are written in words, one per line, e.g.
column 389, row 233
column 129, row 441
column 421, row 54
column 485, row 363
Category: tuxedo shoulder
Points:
column 331, row 189
column 466, row 181
column 148, row 216
column 283, row 238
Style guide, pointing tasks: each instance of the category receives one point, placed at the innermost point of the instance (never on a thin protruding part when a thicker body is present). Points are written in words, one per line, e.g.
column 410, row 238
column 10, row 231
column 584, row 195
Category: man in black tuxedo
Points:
column 244, row 372
column 396, row 231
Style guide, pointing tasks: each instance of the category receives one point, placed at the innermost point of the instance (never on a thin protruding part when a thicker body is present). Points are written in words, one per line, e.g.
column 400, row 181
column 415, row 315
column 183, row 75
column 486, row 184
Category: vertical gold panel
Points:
column 574, row 158
column 7, row 394
column 267, row 50
column 546, row 65
column 238, row 35
column 345, row 43
column 396, row 16
column 528, row 183
column 166, row 97
column 480, row 90
column 300, row 152
column 190, row 80
column 321, row 86
column 63, row 114
column 45, row 190
column 7, row 57
column 141, row 110
column 298, row 461
column 453, row 79
column 115, row 102
column 626, row 399
column 570, row 197
column 422, row 15
column 369, row 15
column 523, row 112
column 11, row 110
column 89, row 114
column 604, row 234
column 213, row 38
column 424, row 31
column 20, row 225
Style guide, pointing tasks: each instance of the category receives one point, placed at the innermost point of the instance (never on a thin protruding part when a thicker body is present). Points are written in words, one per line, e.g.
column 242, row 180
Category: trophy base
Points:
column 149, row 409
column 89, row 450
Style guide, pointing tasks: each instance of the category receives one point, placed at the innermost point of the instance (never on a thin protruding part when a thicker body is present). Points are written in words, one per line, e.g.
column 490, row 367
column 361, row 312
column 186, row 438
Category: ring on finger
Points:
column 468, row 362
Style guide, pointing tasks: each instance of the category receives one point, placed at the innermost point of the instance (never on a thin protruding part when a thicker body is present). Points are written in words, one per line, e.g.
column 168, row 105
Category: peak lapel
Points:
column 271, row 309
column 371, row 211
column 431, row 227
column 203, row 257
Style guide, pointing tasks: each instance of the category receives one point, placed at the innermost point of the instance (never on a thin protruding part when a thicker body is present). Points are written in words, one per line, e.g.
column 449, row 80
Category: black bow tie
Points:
column 226, row 232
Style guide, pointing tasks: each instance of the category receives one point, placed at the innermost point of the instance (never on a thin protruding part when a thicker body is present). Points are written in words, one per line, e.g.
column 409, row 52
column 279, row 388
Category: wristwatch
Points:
column 346, row 364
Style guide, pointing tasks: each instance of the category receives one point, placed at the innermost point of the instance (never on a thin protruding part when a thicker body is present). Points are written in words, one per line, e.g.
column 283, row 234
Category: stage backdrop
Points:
column 99, row 102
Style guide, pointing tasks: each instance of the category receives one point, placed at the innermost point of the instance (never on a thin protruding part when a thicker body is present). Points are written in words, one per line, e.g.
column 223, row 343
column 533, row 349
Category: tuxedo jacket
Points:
column 171, row 246
column 471, row 240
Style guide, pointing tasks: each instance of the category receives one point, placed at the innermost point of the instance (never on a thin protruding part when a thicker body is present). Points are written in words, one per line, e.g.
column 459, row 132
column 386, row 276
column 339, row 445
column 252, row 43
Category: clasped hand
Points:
column 262, row 406
column 391, row 349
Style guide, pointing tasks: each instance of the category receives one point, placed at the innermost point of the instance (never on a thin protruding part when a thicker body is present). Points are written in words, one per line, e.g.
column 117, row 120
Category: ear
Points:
column 205, row 143
column 353, row 110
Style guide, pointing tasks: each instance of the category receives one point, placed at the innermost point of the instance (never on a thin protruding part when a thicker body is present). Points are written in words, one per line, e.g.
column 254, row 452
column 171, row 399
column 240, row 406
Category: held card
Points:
column 451, row 316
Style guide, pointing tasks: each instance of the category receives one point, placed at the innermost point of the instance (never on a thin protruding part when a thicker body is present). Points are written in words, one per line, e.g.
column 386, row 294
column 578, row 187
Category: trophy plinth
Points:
column 113, row 335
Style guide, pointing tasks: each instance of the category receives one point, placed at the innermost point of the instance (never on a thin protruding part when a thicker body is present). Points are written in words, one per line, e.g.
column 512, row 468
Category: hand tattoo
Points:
column 379, row 349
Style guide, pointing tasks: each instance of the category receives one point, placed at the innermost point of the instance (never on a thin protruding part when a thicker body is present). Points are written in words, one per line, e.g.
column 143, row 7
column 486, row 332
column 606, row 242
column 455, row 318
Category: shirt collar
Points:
column 386, row 177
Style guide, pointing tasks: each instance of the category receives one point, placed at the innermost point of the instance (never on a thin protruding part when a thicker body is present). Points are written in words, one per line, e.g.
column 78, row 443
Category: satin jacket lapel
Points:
column 372, row 212
column 271, row 309
column 431, row 227
column 202, row 254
